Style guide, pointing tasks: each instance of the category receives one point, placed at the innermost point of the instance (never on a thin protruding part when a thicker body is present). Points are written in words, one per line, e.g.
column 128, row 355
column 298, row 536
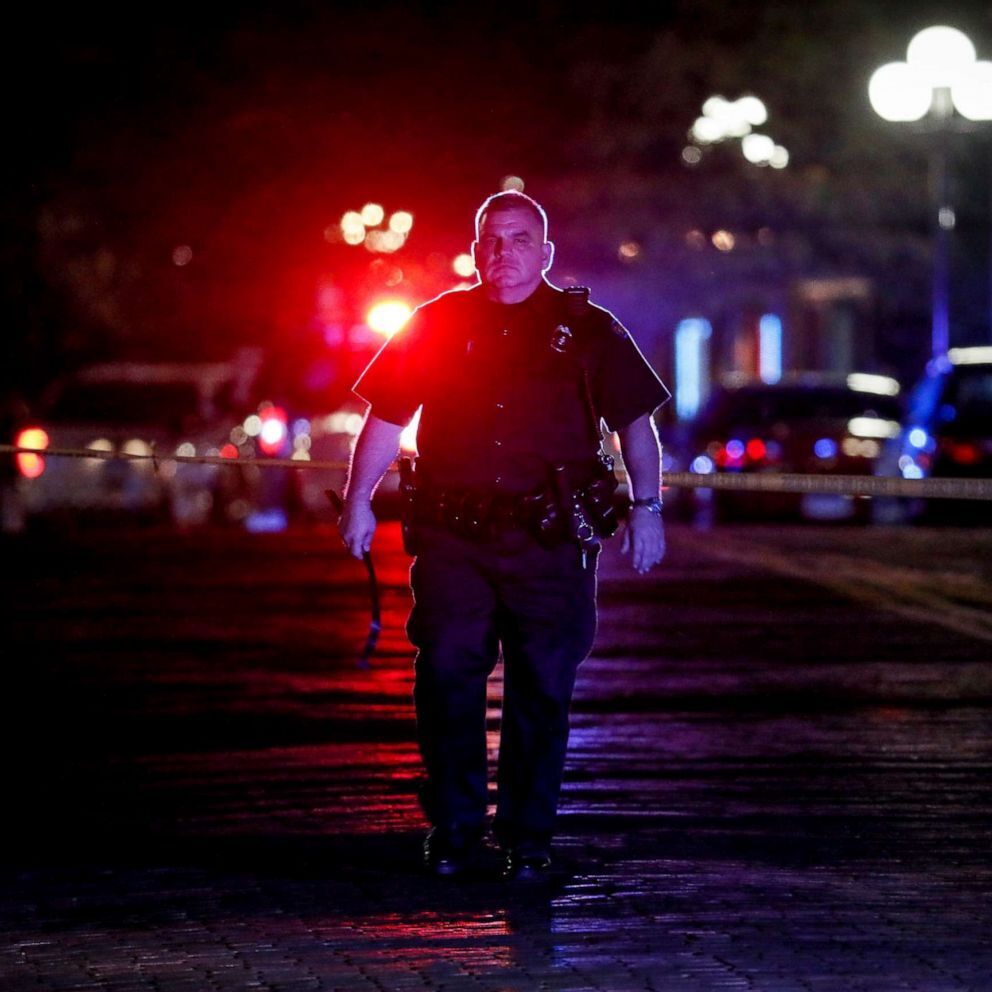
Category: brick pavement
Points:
column 770, row 787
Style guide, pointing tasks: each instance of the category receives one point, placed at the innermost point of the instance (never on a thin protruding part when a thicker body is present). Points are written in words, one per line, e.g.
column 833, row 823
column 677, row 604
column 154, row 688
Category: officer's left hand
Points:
column 645, row 536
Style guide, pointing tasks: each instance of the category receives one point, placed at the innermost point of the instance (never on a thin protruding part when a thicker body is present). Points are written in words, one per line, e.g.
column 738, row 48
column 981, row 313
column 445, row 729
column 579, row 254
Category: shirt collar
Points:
column 544, row 299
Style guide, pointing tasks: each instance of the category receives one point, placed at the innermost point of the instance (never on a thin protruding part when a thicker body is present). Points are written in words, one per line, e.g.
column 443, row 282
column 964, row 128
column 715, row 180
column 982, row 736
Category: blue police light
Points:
column 918, row 438
column 825, row 447
column 735, row 449
column 702, row 465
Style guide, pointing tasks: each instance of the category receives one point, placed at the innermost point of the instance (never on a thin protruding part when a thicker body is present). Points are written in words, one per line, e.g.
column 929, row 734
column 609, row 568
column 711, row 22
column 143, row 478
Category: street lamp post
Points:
column 942, row 84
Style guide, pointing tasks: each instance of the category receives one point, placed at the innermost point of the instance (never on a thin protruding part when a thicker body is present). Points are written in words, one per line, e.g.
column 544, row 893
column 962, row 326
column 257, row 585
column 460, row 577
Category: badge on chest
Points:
column 561, row 339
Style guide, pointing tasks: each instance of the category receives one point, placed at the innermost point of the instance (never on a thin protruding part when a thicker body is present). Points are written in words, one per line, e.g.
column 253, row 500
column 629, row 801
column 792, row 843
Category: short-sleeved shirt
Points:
column 504, row 395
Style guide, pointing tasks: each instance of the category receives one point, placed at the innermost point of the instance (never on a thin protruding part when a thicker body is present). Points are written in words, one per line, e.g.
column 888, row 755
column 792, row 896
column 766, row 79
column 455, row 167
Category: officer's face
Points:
column 511, row 254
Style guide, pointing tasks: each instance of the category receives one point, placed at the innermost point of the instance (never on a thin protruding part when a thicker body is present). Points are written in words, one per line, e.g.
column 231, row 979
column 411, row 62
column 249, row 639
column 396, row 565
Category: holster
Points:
column 584, row 515
column 599, row 497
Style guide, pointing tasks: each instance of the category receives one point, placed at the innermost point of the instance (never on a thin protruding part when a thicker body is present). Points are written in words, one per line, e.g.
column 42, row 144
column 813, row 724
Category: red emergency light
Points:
column 274, row 432
column 31, row 465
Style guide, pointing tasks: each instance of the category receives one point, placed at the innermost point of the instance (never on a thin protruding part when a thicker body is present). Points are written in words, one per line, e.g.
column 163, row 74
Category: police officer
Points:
column 513, row 378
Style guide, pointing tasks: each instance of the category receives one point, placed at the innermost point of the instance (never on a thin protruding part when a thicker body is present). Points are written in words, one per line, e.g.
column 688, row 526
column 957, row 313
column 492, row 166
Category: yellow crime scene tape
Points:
column 769, row 482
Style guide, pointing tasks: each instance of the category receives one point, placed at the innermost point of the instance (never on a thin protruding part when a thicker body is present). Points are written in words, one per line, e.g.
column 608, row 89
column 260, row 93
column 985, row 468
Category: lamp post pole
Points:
column 940, row 331
column 942, row 222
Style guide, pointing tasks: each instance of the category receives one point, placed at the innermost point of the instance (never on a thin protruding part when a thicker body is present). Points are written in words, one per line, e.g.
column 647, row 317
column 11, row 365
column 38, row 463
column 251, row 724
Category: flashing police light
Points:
column 388, row 317
column 274, row 429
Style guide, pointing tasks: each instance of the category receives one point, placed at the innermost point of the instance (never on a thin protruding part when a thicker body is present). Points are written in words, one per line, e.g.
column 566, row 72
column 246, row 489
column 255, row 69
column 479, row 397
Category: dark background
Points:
column 244, row 132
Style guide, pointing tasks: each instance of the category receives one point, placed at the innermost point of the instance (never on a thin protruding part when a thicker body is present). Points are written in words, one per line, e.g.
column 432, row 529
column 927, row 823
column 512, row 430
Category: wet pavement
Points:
column 778, row 776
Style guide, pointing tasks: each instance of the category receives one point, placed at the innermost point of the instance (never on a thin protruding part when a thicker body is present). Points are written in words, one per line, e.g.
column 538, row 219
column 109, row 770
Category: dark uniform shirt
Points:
column 500, row 405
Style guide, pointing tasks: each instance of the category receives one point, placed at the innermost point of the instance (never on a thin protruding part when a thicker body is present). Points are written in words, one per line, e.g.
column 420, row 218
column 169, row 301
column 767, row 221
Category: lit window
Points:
column 691, row 365
column 770, row 347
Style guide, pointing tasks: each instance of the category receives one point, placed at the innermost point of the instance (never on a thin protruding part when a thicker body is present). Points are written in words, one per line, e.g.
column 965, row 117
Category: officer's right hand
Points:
column 357, row 526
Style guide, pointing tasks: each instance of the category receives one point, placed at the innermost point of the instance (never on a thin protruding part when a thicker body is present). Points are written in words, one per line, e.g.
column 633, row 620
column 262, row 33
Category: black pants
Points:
column 470, row 600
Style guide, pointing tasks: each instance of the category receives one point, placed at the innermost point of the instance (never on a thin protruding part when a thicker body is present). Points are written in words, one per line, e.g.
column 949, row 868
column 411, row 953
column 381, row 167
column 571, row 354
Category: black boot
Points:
column 450, row 851
column 528, row 861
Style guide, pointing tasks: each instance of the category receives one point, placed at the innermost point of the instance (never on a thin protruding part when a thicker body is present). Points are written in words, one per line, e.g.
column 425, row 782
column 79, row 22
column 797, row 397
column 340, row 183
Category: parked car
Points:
column 270, row 432
column 808, row 424
column 134, row 408
column 331, row 438
column 282, row 495
column 947, row 432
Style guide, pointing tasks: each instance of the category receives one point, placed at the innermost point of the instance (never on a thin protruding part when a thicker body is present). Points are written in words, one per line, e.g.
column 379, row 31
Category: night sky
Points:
column 240, row 135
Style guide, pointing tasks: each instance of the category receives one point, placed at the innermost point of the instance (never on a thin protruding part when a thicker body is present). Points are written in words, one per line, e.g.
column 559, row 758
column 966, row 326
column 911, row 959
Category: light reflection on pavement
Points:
column 770, row 786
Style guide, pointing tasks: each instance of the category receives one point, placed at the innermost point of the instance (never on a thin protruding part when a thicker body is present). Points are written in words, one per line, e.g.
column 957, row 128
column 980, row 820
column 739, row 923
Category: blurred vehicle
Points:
column 947, row 432
column 808, row 424
column 133, row 408
column 269, row 432
column 282, row 495
column 14, row 414
column 331, row 438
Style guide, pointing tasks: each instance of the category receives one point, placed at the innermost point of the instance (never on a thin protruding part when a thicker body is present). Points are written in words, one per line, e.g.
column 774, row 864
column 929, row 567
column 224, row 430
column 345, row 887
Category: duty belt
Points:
column 552, row 515
column 473, row 513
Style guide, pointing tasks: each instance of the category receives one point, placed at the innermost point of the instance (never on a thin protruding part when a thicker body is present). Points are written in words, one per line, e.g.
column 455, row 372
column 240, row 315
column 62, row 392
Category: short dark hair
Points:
column 511, row 199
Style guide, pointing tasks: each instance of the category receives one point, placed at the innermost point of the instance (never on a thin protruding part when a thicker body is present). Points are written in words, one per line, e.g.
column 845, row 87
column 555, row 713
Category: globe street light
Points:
column 723, row 119
column 942, row 83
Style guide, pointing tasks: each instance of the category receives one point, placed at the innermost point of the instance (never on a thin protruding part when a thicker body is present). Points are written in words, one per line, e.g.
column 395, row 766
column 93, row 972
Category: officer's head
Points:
column 511, row 248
